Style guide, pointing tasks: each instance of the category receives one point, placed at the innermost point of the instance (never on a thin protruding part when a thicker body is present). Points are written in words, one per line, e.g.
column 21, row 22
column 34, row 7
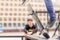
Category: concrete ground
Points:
column 39, row 37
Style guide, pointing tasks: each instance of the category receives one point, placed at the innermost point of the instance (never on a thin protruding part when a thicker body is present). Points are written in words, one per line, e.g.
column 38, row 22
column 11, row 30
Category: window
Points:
column 6, row 4
column 19, row 9
column 14, row 24
column 23, row 24
column 5, row 19
column 19, row 14
column 10, row 14
column 0, row 18
column 23, row 9
column 19, row 19
column 11, row 4
column 1, row 9
column 6, row 14
column 1, row 14
column 19, row 24
column 14, row 19
column 5, row 24
column 10, row 18
column 15, row 14
column 0, row 24
column 15, row 4
column 9, row 24
column 2, row 4
column 23, row 19
column 10, row 9
column 24, row 14
column 6, row 9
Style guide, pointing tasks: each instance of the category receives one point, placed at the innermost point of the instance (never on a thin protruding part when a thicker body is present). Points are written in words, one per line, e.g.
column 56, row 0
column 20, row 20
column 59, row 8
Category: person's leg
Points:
column 51, row 12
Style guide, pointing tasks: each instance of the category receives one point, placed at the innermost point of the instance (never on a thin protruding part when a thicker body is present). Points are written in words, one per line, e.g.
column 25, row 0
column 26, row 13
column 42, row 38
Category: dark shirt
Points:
column 28, row 28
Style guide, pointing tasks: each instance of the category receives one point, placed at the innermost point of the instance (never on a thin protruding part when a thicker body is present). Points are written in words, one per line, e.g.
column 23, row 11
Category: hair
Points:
column 29, row 20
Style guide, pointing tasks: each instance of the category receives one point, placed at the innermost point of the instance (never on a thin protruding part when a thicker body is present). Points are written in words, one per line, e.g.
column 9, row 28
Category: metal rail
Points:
column 22, row 37
column 46, row 11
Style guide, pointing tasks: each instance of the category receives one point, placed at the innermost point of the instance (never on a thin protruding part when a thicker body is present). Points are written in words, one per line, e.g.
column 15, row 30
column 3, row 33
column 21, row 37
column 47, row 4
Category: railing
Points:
column 46, row 12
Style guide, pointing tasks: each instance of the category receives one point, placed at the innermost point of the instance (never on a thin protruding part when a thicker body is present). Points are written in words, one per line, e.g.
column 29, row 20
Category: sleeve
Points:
column 25, row 29
column 35, row 29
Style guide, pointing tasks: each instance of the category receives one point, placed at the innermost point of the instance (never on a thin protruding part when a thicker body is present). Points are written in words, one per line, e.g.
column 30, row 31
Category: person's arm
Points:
column 25, row 29
column 35, row 30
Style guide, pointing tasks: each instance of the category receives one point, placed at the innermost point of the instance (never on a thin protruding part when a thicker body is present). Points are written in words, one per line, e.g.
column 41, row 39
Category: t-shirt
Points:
column 28, row 28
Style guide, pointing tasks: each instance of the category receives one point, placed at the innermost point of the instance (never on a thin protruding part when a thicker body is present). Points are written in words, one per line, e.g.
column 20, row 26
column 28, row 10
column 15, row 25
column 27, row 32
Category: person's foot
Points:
column 46, row 35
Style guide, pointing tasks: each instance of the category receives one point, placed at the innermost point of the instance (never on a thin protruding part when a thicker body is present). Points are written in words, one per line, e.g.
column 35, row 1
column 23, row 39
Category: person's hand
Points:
column 29, row 33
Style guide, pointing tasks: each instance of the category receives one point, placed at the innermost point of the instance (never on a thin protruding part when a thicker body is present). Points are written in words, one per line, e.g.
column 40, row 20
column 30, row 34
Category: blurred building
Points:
column 13, row 15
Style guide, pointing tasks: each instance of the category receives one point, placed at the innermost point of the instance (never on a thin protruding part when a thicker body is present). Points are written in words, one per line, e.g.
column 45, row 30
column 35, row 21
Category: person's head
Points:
column 30, row 22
